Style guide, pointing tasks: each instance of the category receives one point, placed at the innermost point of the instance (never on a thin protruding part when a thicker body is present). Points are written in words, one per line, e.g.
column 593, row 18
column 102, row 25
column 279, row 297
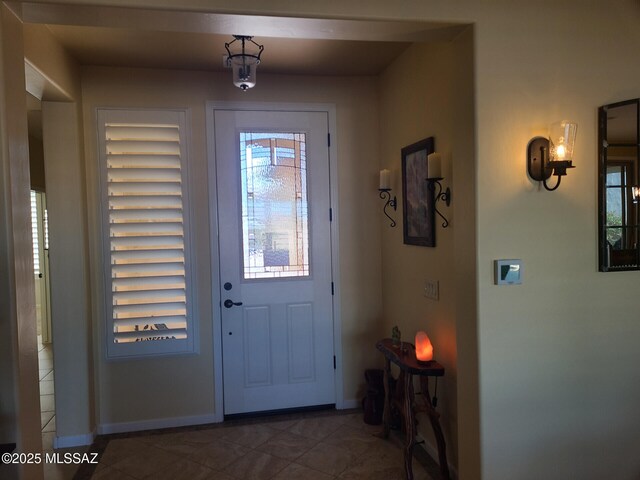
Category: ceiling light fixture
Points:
column 243, row 63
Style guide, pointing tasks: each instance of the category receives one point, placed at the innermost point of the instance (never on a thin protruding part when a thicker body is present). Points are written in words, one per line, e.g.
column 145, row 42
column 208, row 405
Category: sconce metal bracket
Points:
column 385, row 194
column 444, row 196
column 537, row 159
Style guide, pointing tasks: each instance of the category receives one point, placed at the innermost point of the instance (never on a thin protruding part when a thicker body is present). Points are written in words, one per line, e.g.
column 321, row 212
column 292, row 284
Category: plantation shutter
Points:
column 143, row 157
column 34, row 233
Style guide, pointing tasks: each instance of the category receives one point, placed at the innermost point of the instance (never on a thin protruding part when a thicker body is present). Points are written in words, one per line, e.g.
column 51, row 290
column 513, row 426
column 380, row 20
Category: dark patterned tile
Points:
column 219, row 454
column 299, row 472
column 317, row 428
column 256, row 466
column 327, row 458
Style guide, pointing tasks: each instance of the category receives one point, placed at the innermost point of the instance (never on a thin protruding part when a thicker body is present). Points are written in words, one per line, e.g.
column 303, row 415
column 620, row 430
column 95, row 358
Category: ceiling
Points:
column 116, row 36
column 131, row 37
column 204, row 51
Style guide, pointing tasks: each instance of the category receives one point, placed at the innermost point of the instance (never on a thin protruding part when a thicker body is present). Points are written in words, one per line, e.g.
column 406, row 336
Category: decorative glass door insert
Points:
column 275, row 220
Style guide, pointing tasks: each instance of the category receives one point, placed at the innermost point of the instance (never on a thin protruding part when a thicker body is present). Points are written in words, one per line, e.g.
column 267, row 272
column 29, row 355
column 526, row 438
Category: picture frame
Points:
column 418, row 199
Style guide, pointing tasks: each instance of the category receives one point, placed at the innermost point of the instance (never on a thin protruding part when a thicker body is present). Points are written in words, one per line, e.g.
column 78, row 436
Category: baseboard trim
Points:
column 433, row 453
column 68, row 441
column 157, row 423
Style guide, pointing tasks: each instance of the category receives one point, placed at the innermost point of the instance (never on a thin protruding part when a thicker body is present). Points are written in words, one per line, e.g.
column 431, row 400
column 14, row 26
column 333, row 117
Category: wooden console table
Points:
column 403, row 398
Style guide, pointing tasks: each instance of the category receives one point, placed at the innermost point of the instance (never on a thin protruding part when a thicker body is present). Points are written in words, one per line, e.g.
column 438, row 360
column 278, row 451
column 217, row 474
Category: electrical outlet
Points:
column 431, row 289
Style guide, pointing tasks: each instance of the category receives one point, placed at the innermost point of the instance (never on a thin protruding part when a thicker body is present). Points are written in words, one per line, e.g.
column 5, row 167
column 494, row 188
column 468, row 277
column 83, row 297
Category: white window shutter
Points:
column 143, row 160
column 35, row 225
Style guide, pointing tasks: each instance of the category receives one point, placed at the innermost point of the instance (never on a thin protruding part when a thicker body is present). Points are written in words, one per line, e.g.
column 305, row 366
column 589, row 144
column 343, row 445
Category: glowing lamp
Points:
column 553, row 155
column 424, row 349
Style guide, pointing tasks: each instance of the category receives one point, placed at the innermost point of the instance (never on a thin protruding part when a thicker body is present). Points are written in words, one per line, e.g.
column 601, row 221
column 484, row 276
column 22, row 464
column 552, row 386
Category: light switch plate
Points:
column 507, row 272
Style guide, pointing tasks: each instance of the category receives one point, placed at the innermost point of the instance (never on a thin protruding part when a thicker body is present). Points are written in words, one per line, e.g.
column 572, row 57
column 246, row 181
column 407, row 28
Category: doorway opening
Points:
column 40, row 237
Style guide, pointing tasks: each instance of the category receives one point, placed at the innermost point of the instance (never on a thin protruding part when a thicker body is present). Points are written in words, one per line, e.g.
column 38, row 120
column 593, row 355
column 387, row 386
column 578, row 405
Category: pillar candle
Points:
column 434, row 165
column 385, row 179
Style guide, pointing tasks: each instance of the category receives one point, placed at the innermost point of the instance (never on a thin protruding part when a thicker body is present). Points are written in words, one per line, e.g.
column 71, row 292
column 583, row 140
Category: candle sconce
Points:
column 385, row 194
column 434, row 169
column 440, row 196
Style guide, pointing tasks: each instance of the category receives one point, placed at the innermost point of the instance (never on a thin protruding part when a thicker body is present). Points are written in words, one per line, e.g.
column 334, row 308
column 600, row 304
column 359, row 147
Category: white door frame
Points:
column 211, row 107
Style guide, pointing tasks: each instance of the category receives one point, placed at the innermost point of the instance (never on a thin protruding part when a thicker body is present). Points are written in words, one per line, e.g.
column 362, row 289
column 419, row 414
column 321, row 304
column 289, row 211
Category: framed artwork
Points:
column 417, row 198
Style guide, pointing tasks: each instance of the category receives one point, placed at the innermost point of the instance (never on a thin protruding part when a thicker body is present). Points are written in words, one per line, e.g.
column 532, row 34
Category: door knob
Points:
column 229, row 303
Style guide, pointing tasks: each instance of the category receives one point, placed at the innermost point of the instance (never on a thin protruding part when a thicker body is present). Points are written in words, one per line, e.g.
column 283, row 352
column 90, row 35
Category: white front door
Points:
column 275, row 259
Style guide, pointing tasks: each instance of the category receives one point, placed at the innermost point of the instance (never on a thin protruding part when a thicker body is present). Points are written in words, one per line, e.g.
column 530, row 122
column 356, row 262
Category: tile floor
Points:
column 52, row 471
column 305, row 446
column 311, row 446
column 47, row 403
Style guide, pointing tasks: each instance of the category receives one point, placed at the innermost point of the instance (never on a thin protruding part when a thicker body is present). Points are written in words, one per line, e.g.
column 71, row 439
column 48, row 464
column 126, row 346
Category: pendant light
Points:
column 243, row 62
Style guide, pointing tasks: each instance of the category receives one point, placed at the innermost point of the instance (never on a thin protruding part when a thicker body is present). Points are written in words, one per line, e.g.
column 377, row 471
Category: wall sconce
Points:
column 424, row 349
column 553, row 155
column 635, row 194
column 385, row 194
column 434, row 172
column 243, row 64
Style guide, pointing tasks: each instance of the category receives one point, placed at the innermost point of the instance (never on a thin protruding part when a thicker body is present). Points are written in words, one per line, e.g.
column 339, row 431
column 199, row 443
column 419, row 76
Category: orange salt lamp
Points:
column 424, row 349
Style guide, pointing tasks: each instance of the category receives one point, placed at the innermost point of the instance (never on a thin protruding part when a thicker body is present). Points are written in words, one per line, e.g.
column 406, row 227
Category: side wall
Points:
column 435, row 100
column 190, row 393
column 68, row 244
column 559, row 355
column 19, row 397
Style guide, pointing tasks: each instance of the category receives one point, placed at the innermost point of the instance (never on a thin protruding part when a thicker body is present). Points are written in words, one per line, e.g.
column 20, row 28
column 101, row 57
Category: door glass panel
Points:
column 275, row 221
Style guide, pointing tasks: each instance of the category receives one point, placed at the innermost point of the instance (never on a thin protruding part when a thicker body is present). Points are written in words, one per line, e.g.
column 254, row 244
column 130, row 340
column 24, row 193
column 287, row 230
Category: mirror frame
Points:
column 630, row 256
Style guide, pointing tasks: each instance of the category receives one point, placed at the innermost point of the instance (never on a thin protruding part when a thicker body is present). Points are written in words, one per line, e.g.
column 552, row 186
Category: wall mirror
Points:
column 619, row 186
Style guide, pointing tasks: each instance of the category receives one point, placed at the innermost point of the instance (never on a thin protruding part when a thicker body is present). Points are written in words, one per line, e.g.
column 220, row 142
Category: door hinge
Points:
column 334, row 362
column 332, row 289
column 328, row 139
column 331, row 214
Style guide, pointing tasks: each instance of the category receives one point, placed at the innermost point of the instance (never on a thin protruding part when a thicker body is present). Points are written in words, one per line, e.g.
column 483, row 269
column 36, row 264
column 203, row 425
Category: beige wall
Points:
column 414, row 107
column 464, row 174
column 437, row 100
column 183, row 386
column 60, row 70
column 558, row 354
column 68, row 267
column 68, row 244
column 19, row 406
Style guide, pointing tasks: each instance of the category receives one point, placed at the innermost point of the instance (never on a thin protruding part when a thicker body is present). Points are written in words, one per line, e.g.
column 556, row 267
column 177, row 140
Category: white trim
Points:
column 122, row 427
column 215, row 266
column 335, row 257
column 213, row 221
column 69, row 441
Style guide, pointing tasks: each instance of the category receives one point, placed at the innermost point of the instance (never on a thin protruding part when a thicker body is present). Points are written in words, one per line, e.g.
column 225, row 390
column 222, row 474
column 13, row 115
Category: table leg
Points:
column 409, row 425
column 386, row 413
column 434, row 418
